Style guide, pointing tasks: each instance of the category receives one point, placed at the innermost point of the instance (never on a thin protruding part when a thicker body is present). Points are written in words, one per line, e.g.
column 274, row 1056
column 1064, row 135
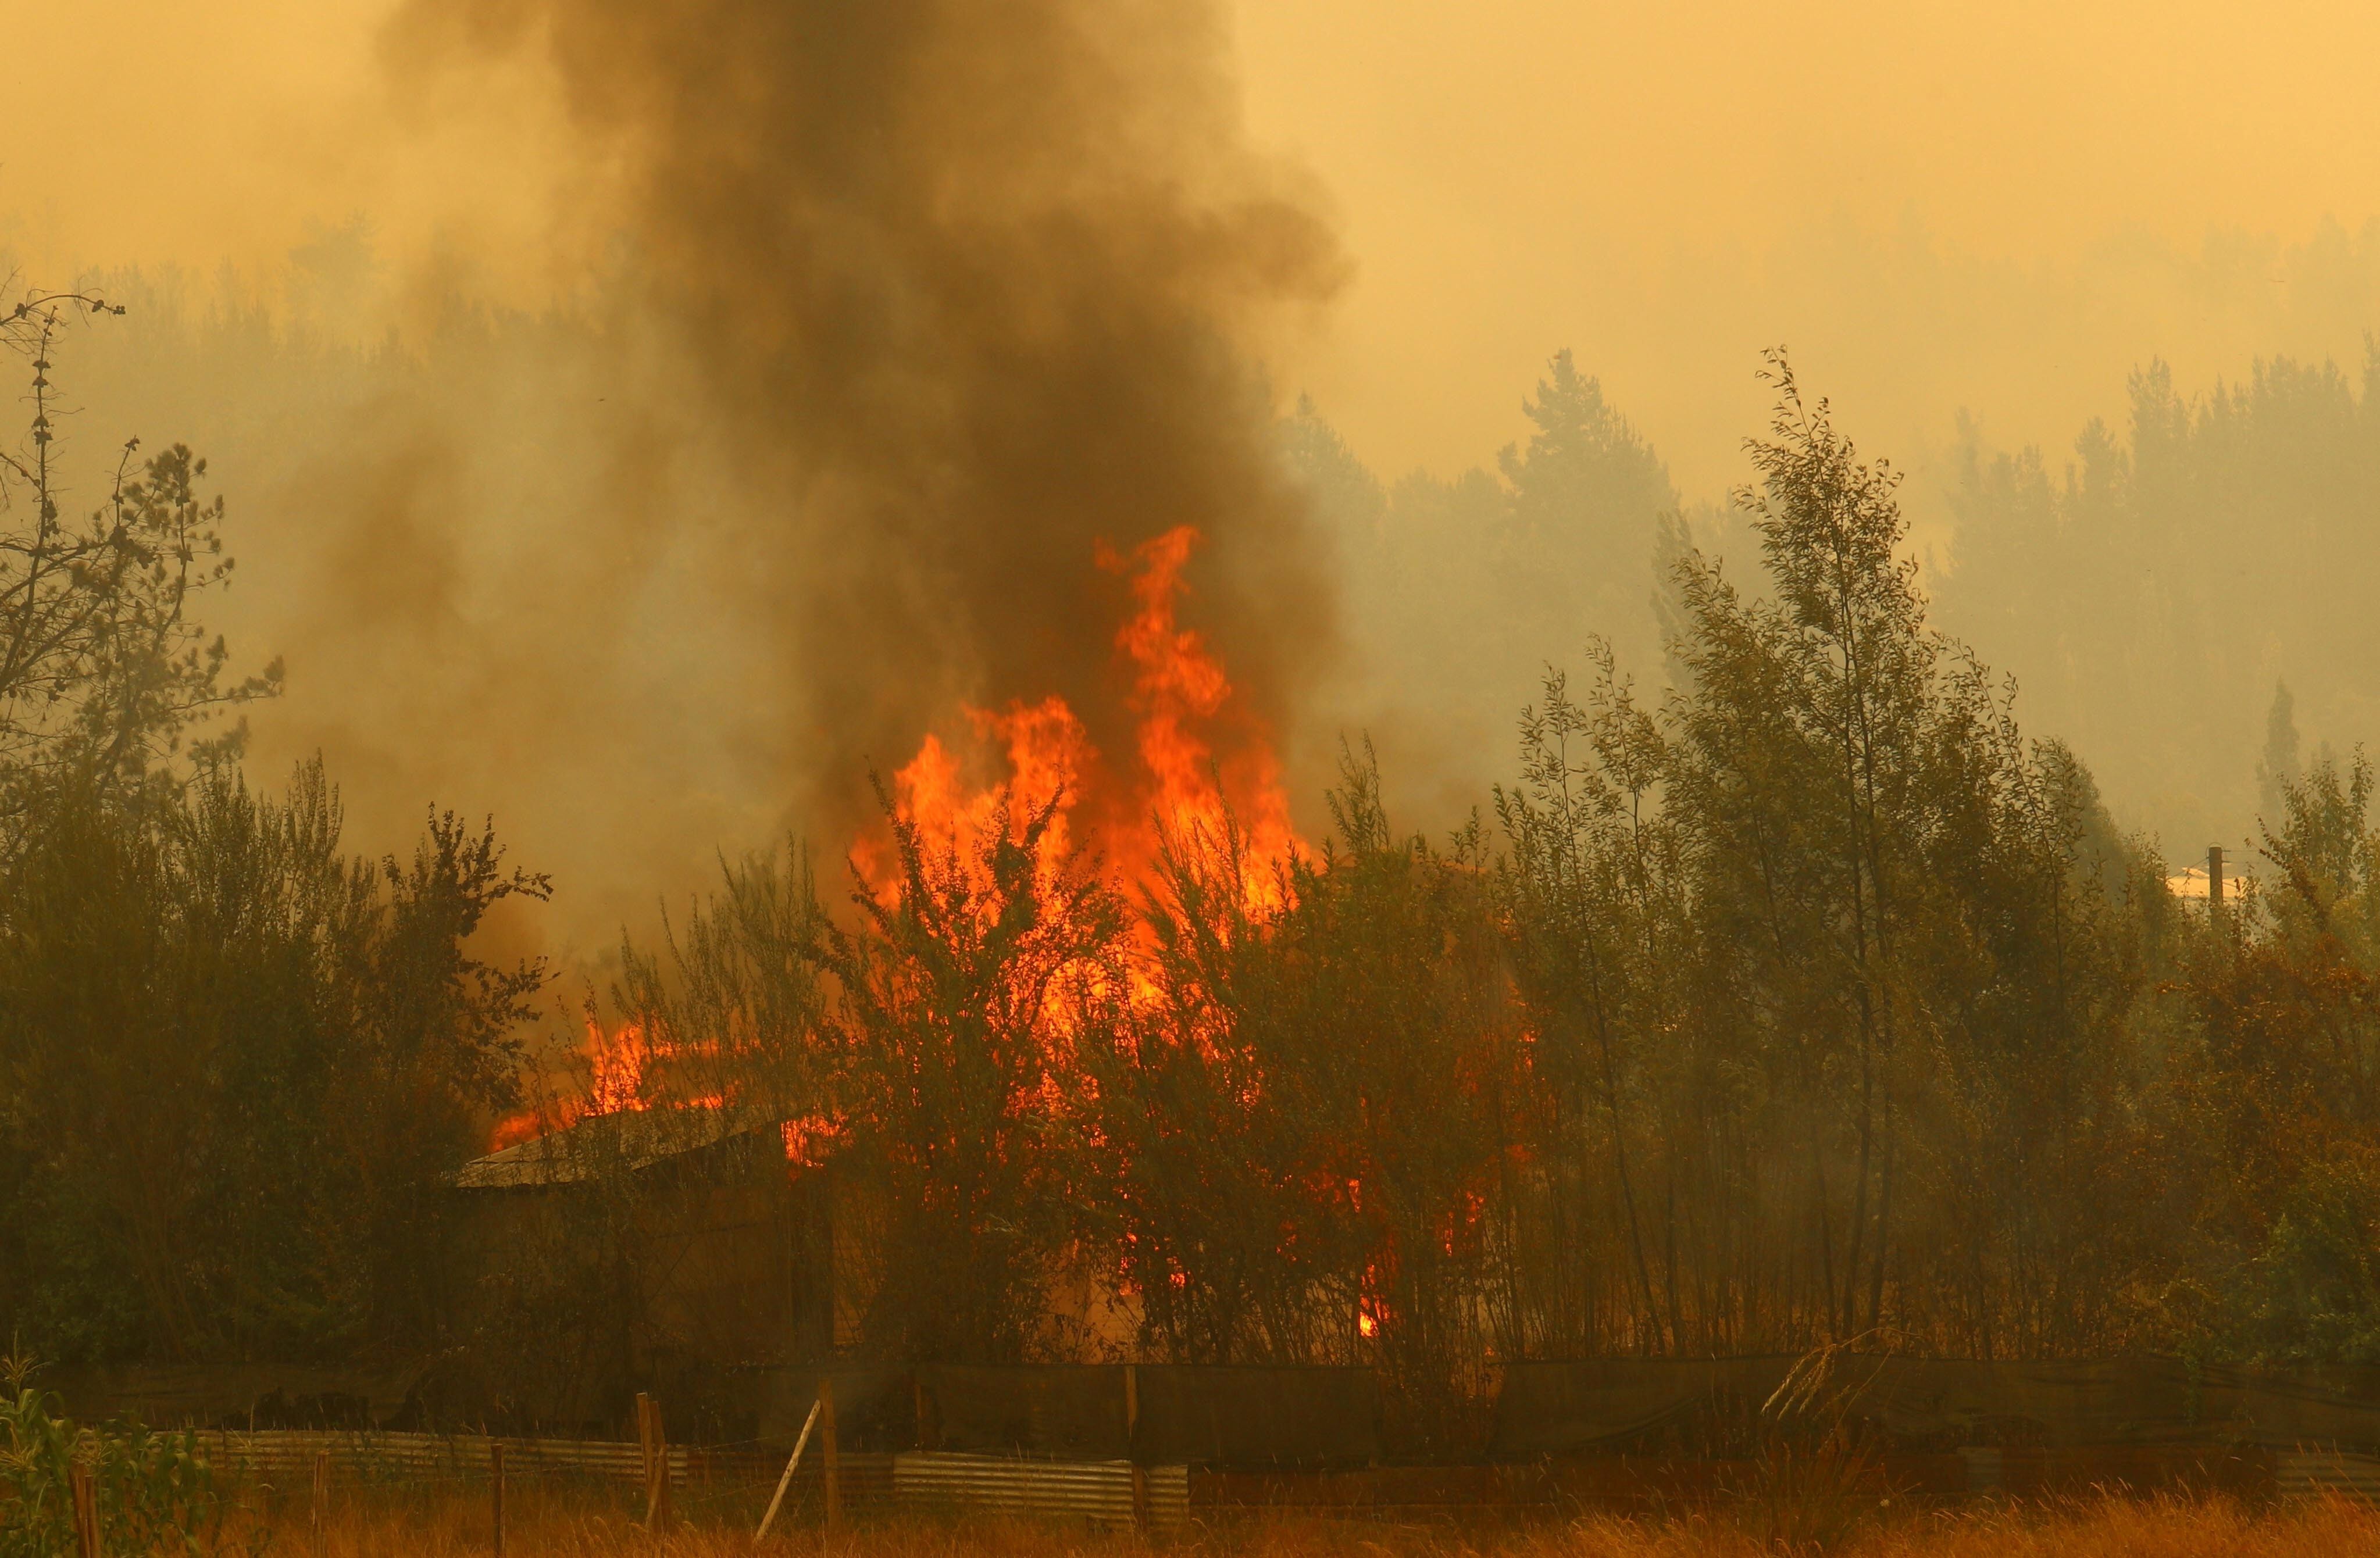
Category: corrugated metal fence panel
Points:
column 1096, row 1492
column 2308, row 1472
column 867, row 1482
column 1169, row 1497
column 430, row 1456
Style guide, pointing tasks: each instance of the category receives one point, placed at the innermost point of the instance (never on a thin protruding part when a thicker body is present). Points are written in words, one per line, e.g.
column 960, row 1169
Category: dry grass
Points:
column 566, row 1526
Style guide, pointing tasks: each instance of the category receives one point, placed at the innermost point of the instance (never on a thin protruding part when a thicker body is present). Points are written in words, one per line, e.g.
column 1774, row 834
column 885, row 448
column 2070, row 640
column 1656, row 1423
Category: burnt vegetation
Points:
column 1786, row 993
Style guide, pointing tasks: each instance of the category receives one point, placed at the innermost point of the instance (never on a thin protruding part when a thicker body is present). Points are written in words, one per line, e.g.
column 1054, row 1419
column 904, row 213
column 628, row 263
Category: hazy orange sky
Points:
column 1668, row 187
column 1996, row 209
column 1999, row 207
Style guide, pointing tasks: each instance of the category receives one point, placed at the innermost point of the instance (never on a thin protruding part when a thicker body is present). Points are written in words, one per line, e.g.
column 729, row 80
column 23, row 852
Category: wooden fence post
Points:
column 655, row 1440
column 496, row 1496
column 830, row 1457
column 645, row 1441
column 86, row 1510
column 786, row 1481
column 321, row 1503
column 1132, row 1447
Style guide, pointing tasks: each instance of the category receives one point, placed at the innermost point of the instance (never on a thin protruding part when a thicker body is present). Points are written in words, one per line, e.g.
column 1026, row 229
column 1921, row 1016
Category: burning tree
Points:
column 1308, row 1129
column 965, row 1000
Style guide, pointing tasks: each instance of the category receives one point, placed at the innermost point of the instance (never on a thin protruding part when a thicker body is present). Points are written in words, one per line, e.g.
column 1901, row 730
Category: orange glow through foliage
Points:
column 616, row 1085
column 619, row 1063
column 1045, row 749
column 809, row 1140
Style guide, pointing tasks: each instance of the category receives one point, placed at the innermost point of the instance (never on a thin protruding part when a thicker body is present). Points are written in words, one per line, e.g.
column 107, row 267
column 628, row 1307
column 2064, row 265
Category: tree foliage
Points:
column 104, row 666
column 235, row 1062
column 1808, row 999
column 1813, row 1001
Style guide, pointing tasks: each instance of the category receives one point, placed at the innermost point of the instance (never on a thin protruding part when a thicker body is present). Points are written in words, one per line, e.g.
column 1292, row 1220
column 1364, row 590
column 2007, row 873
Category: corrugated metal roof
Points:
column 629, row 1141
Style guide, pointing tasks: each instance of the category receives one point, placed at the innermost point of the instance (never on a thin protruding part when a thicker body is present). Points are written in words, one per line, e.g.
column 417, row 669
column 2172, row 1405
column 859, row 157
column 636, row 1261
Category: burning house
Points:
column 678, row 1249
column 693, row 1242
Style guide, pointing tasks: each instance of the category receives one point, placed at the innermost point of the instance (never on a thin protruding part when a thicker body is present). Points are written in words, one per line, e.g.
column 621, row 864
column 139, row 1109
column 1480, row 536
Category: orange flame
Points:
column 1181, row 787
column 1046, row 751
column 1178, row 690
column 809, row 1139
column 617, row 1062
column 1371, row 1310
column 1201, row 771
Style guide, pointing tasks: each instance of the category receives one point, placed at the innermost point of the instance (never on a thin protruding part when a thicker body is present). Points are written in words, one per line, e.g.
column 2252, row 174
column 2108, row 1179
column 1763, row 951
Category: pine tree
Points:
column 2279, row 768
column 1585, row 498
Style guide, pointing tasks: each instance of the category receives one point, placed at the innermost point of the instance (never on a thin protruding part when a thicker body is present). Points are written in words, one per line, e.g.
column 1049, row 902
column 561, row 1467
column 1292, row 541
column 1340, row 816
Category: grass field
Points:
column 566, row 1528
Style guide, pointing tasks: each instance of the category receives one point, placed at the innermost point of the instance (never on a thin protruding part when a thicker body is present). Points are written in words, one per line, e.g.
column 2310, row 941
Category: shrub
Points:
column 153, row 1493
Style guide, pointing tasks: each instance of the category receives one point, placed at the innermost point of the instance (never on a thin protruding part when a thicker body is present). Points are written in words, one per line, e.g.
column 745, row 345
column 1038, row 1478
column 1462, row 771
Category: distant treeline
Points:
column 2147, row 585
column 1812, row 1000
column 2147, row 590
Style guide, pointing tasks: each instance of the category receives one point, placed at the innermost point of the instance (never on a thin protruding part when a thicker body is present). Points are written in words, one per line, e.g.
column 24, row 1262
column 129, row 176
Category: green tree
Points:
column 1805, row 774
column 234, row 1066
column 1825, row 968
column 1590, row 891
column 103, row 666
column 1585, row 495
column 2283, row 760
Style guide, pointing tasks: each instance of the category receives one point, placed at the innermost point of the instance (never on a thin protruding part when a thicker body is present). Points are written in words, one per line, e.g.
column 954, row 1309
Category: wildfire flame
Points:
column 1179, row 786
column 1046, row 750
column 1200, row 772
column 809, row 1140
column 1178, row 688
column 617, row 1061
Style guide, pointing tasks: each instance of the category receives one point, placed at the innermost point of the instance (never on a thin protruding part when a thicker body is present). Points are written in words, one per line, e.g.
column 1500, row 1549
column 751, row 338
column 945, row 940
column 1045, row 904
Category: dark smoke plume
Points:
column 966, row 286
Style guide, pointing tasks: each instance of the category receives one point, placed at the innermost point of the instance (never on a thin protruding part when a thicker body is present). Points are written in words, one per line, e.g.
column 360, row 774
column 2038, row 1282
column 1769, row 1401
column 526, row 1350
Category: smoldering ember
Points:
column 842, row 864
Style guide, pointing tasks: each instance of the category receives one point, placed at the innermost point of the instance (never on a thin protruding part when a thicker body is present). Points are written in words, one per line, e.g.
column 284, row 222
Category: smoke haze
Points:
column 960, row 291
column 638, row 418
column 910, row 310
